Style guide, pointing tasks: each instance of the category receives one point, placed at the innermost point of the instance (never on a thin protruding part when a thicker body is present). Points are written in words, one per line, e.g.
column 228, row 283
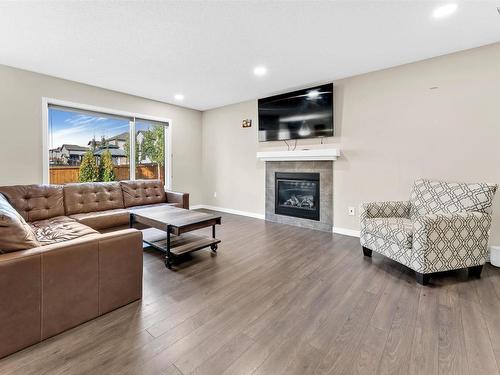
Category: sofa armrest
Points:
column 385, row 209
column 182, row 199
column 446, row 241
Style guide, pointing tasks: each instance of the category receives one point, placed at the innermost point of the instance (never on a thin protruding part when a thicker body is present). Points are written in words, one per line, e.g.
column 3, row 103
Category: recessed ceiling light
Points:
column 260, row 70
column 179, row 97
column 313, row 94
column 444, row 10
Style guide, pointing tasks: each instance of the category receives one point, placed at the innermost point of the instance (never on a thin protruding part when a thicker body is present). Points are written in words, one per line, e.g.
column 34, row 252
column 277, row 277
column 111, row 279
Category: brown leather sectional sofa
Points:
column 67, row 255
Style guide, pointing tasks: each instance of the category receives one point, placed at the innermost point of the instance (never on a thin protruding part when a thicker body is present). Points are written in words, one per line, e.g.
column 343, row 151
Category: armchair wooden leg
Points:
column 422, row 278
column 367, row 252
column 475, row 271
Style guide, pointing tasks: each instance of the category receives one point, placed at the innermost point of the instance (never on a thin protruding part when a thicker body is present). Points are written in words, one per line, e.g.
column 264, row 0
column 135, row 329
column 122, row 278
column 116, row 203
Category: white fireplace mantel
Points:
column 299, row 155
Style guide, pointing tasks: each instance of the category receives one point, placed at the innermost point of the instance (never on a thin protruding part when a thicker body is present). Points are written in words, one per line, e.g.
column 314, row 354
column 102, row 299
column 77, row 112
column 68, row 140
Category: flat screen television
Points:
column 299, row 114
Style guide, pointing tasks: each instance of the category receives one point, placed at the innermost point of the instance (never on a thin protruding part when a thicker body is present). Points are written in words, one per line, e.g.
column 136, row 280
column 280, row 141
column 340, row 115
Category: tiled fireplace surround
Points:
column 325, row 169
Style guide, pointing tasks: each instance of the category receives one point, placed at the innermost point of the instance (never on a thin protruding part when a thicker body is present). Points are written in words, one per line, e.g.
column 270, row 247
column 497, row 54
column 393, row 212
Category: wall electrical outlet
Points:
column 351, row 211
column 215, row 194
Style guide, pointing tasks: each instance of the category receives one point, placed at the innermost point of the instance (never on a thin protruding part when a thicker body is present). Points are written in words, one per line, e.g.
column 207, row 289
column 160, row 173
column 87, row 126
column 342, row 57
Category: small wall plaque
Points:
column 246, row 123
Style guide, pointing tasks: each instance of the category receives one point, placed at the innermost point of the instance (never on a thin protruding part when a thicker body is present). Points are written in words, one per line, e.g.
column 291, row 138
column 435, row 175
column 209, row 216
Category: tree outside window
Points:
column 150, row 150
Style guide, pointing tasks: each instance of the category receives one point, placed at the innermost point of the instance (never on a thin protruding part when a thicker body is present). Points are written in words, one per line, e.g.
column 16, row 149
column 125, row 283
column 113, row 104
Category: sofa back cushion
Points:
column 15, row 233
column 141, row 192
column 35, row 202
column 92, row 196
column 429, row 197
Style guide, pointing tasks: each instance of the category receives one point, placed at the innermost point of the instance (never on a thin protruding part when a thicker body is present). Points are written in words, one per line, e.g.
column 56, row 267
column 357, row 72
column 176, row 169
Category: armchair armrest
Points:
column 182, row 199
column 445, row 241
column 385, row 209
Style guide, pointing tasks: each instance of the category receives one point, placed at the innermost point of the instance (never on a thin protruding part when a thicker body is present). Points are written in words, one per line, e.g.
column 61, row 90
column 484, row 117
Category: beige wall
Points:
column 21, row 95
column 391, row 129
column 230, row 167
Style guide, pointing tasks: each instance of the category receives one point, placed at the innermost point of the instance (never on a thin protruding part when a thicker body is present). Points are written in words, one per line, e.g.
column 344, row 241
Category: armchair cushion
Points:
column 446, row 241
column 438, row 196
column 393, row 229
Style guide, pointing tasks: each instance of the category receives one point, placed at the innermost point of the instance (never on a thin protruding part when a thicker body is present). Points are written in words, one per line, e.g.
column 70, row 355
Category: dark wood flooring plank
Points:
column 397, row 352
column 225, row 356
column 370, row 351
column 424, row 348
column 452, row 355
column 480, row 355
column 344, row 348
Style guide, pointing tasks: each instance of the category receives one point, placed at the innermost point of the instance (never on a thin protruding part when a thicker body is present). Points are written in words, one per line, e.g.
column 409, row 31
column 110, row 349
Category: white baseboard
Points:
column 496, row 260
column 229, row 211
column 346, row 232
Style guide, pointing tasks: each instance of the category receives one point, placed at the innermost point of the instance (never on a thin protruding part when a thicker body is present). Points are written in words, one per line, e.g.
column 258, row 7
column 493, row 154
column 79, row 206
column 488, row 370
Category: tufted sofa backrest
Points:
column 92, row 196
column 142, row 192
column 35, row 202
column 41, row 202
column 430, row 197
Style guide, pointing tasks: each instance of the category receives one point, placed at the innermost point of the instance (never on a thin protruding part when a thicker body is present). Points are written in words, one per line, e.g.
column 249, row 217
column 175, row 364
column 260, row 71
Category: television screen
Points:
column 300, row 114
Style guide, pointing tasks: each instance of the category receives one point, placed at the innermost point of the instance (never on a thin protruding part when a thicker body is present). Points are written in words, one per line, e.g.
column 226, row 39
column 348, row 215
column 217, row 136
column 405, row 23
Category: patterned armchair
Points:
column 444, row 226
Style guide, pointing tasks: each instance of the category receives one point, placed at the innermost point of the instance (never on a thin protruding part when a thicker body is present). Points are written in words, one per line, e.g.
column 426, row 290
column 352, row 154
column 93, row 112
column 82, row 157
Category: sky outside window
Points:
column 75, row 128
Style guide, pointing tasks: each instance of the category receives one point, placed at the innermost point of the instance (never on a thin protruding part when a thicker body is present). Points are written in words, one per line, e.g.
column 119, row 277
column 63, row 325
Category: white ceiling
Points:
column 207, row 50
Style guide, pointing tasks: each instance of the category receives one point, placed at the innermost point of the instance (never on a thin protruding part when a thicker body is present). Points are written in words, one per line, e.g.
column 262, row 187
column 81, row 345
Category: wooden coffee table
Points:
column 169, row 227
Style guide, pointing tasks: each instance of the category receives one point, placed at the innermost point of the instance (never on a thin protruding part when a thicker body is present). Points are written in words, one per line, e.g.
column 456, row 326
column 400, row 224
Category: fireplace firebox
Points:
column 297, row 194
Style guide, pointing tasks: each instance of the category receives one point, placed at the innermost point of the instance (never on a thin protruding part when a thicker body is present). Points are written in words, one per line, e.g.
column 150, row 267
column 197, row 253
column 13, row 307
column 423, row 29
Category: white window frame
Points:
column 87, row 107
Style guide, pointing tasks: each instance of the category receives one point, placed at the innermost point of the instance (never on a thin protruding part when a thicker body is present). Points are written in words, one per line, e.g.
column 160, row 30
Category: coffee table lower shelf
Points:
column 179, row 245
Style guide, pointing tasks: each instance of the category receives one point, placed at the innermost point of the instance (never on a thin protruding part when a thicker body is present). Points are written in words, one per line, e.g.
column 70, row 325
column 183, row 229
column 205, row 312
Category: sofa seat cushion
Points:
column 15, row 233
column 104, row 219
column 59, row 229
column 393, row 229
column 142, row 192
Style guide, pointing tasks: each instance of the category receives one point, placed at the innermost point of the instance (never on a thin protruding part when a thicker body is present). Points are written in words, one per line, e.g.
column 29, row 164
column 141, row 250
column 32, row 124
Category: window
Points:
column 96, row 146
column 150, row 150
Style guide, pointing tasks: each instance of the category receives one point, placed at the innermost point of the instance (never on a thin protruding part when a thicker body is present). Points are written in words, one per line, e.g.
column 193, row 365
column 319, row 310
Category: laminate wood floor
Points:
column 283, row 300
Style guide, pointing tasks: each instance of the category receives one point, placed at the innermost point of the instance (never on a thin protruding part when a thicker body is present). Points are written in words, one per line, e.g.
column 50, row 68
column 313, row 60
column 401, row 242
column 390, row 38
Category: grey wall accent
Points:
column 325, row 169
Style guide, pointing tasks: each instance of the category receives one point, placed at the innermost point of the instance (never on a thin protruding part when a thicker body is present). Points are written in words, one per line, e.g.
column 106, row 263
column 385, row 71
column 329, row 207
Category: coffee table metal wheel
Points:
column 214, row 247
column 168, row 263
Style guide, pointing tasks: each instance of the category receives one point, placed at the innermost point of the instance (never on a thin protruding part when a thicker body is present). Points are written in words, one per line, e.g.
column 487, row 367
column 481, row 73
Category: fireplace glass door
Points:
column 297, row 194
